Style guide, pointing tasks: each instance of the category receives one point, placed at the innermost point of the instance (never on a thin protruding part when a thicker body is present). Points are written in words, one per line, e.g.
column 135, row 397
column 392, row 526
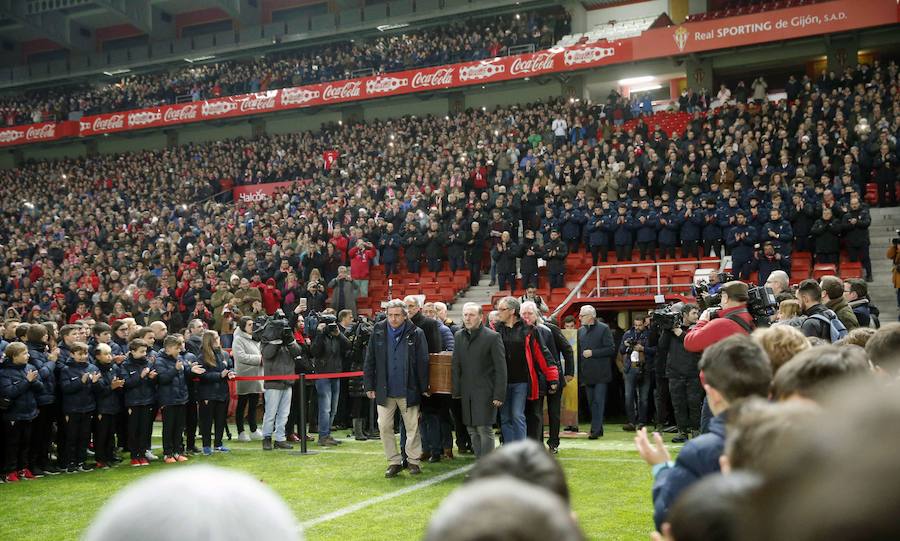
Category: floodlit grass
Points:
column 610, row 491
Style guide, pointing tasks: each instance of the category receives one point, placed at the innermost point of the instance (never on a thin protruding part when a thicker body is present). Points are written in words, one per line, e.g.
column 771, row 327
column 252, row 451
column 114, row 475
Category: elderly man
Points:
column 780, row 284
column 395, row 375
column 479, row 378
column 596, row 351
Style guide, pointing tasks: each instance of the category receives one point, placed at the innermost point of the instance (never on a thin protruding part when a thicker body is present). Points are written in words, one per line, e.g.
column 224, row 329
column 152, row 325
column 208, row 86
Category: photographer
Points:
column 683, row 374
column 767, row 261
column 280, row 352
column 345, row 291
column 637, row 369
column 714, row 325
column 328, row 350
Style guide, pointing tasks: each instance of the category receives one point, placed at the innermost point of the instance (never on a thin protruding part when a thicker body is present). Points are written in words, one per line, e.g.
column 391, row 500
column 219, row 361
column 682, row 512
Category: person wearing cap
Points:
column 718, row 323
column 740, row 241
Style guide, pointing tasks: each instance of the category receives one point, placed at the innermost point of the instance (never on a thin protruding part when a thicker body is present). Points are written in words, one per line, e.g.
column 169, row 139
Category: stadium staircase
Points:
column 885, row 223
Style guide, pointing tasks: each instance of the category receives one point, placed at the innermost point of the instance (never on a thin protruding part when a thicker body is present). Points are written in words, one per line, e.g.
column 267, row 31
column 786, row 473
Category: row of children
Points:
column 91, row 392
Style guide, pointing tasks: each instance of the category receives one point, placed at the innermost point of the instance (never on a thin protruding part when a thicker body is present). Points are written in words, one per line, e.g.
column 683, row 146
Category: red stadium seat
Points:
column 823, row 269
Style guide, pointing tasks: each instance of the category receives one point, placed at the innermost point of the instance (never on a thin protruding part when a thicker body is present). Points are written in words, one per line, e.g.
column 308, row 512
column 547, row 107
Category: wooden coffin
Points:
column 439, row 372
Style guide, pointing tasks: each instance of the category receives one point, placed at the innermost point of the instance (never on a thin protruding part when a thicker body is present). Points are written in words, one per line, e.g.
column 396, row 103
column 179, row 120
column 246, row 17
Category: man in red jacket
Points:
column 360, row 264
column 717, row 324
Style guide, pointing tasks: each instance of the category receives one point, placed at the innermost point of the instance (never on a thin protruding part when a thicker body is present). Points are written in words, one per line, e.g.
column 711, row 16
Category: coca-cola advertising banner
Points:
column 254, row 193
column 783, row 24
column 37, row 133
column 802, row 21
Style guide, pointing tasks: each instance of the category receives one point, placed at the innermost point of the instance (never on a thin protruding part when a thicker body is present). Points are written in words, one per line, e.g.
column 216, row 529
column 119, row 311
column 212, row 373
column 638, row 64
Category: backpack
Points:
column 836, row 327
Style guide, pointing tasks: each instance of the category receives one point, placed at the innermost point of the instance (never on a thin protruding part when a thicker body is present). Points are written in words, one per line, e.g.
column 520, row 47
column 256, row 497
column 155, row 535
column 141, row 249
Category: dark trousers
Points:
column 647, row 250
column 457, row 263
column 173, row 429
column 861, row 254
column 121, row 428
column 212, row 412
column 190, row 425
column 247, row 402
column 16, row 441
column 667, row 251
column 741, row 268
column 436, row 433
column 557, row 279
column 529, row 280
column 715, row 245
column 600, row 252
column 138, row 426
column 78, row 435
column 887, row 191
column 573, row 246
column 596, row 395
column 390, row 268
column 463, row 440
column 637, row 396
column 507, row 280
column 802, row 243
column 554, row 411
column 413, row 265
column 39, row 445
column 534, row 419
column 434, row 265
column 104, row 430
column 623, row 252
column 687, row 401
column 474, row 272
column 690, row 249
column 662, row 400
column 821, row 257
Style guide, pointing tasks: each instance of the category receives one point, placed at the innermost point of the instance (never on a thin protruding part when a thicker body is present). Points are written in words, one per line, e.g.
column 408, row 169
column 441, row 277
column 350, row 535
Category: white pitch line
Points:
column 383, row 498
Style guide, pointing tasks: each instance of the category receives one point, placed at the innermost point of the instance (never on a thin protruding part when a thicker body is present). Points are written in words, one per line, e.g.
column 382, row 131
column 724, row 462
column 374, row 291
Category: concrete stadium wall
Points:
column 629, row 11
column 55, row 152
column 149, row 141
column 437, row 105
column 300, row 122
column 202, row 134
column 513, row 93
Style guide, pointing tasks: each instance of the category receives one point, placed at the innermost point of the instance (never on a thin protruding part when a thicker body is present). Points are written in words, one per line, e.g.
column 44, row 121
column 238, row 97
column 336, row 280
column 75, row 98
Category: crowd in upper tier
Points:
column 459, row 41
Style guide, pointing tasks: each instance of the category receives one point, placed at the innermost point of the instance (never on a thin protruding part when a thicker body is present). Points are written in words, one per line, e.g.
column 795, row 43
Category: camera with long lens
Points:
column 707, row 300
column 330, row 321
column 273, row 329
column 762, row 305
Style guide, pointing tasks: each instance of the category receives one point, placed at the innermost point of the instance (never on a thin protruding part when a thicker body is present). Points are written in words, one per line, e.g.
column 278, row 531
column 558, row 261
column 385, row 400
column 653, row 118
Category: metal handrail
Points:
column 595, row 271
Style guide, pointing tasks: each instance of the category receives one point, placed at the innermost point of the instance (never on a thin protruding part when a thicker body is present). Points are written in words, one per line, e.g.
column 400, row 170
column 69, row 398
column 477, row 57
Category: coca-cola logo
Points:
column 47, row 131
column 383, row 85
column 439, row 77
column 298, row 96
column 347, row 90
column 111, row 122
column 216, row 108
column 143, row 118
column 253, row 197
column 10, row 136
column 259, row 102
column 480, row 71
column 537, row 63
column 181, row 114
column 587, row 55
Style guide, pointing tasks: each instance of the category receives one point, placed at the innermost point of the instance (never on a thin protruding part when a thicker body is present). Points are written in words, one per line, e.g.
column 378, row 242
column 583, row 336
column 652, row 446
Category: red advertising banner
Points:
column 254, row 193
column 37, row 133
column 790, row 23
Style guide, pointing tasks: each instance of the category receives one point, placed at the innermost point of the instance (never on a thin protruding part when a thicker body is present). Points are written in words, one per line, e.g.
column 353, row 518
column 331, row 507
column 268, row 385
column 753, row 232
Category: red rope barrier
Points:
column 292, row 377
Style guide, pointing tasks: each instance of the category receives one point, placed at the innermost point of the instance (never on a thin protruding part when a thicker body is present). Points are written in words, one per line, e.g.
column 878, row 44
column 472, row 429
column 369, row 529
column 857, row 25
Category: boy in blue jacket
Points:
column 172, row 395
column 19, row 387
column 77, row 378
column 108, row 395
column 140, row 394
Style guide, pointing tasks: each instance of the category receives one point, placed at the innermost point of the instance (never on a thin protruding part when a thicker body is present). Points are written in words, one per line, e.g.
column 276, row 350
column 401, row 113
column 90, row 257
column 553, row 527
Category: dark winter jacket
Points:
column 15, row 386
column 171, row 383
column 680, row 363
column 211, row 385
column 109, row 400
column 375, row 367
column 77, row 396
column 37, row 358
column 139, row 391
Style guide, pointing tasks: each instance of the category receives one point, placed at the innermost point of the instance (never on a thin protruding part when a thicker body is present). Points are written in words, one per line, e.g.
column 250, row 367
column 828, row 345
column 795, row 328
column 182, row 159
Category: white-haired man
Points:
column 479, row 377
column 596, row 351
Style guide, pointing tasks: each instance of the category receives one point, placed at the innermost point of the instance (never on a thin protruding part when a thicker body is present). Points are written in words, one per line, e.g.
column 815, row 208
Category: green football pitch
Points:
column 341, row 493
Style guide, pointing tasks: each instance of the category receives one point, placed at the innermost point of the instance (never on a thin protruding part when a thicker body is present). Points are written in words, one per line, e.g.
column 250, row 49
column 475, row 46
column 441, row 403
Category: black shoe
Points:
column 869, row 278
column 628, row 427
column 283, row 445
column 414, row 469
column 52, row 470
column 72, row 469
column 433, row 459
column 681, row 438
column 193, row 450
column 267, row 444
column 393, row 470
column 85, row 468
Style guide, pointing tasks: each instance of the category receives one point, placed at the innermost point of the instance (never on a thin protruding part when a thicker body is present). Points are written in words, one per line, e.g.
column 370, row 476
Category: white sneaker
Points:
column 150, row 456
column 258, row 435
column 243, row 436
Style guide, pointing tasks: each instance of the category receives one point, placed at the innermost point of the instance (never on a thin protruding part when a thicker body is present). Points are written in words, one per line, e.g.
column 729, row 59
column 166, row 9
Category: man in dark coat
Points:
column 596, row 350
column 683, row 375
column 395, row 374
column 855, row 231
column 479, row 378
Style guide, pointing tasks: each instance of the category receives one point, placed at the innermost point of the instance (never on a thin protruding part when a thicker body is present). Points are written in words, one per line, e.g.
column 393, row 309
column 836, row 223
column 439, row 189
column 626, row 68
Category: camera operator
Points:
column 717, row 324
column 345, row 291
column 637, row 370
column 280, row 353
column 328, row 350
column 683, row 374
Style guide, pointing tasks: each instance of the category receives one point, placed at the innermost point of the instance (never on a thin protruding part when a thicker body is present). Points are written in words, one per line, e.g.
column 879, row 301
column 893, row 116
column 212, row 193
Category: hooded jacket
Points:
column 15, row 386
column 77, row 395
column 37, row 358
column 171, row 382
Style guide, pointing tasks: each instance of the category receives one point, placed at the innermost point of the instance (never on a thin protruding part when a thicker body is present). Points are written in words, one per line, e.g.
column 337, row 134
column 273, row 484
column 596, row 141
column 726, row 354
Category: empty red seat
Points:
column 823, row 269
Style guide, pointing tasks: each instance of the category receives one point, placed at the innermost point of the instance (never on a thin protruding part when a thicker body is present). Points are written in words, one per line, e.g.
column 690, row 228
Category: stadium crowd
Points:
column 458, row 41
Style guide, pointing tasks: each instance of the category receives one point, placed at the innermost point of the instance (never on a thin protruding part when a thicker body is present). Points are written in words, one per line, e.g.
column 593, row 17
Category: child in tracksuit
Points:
column 140, row 394
column 212, row 392
column 77, row 378
column 107, row 393
column 172, row 396
column 19, row 386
